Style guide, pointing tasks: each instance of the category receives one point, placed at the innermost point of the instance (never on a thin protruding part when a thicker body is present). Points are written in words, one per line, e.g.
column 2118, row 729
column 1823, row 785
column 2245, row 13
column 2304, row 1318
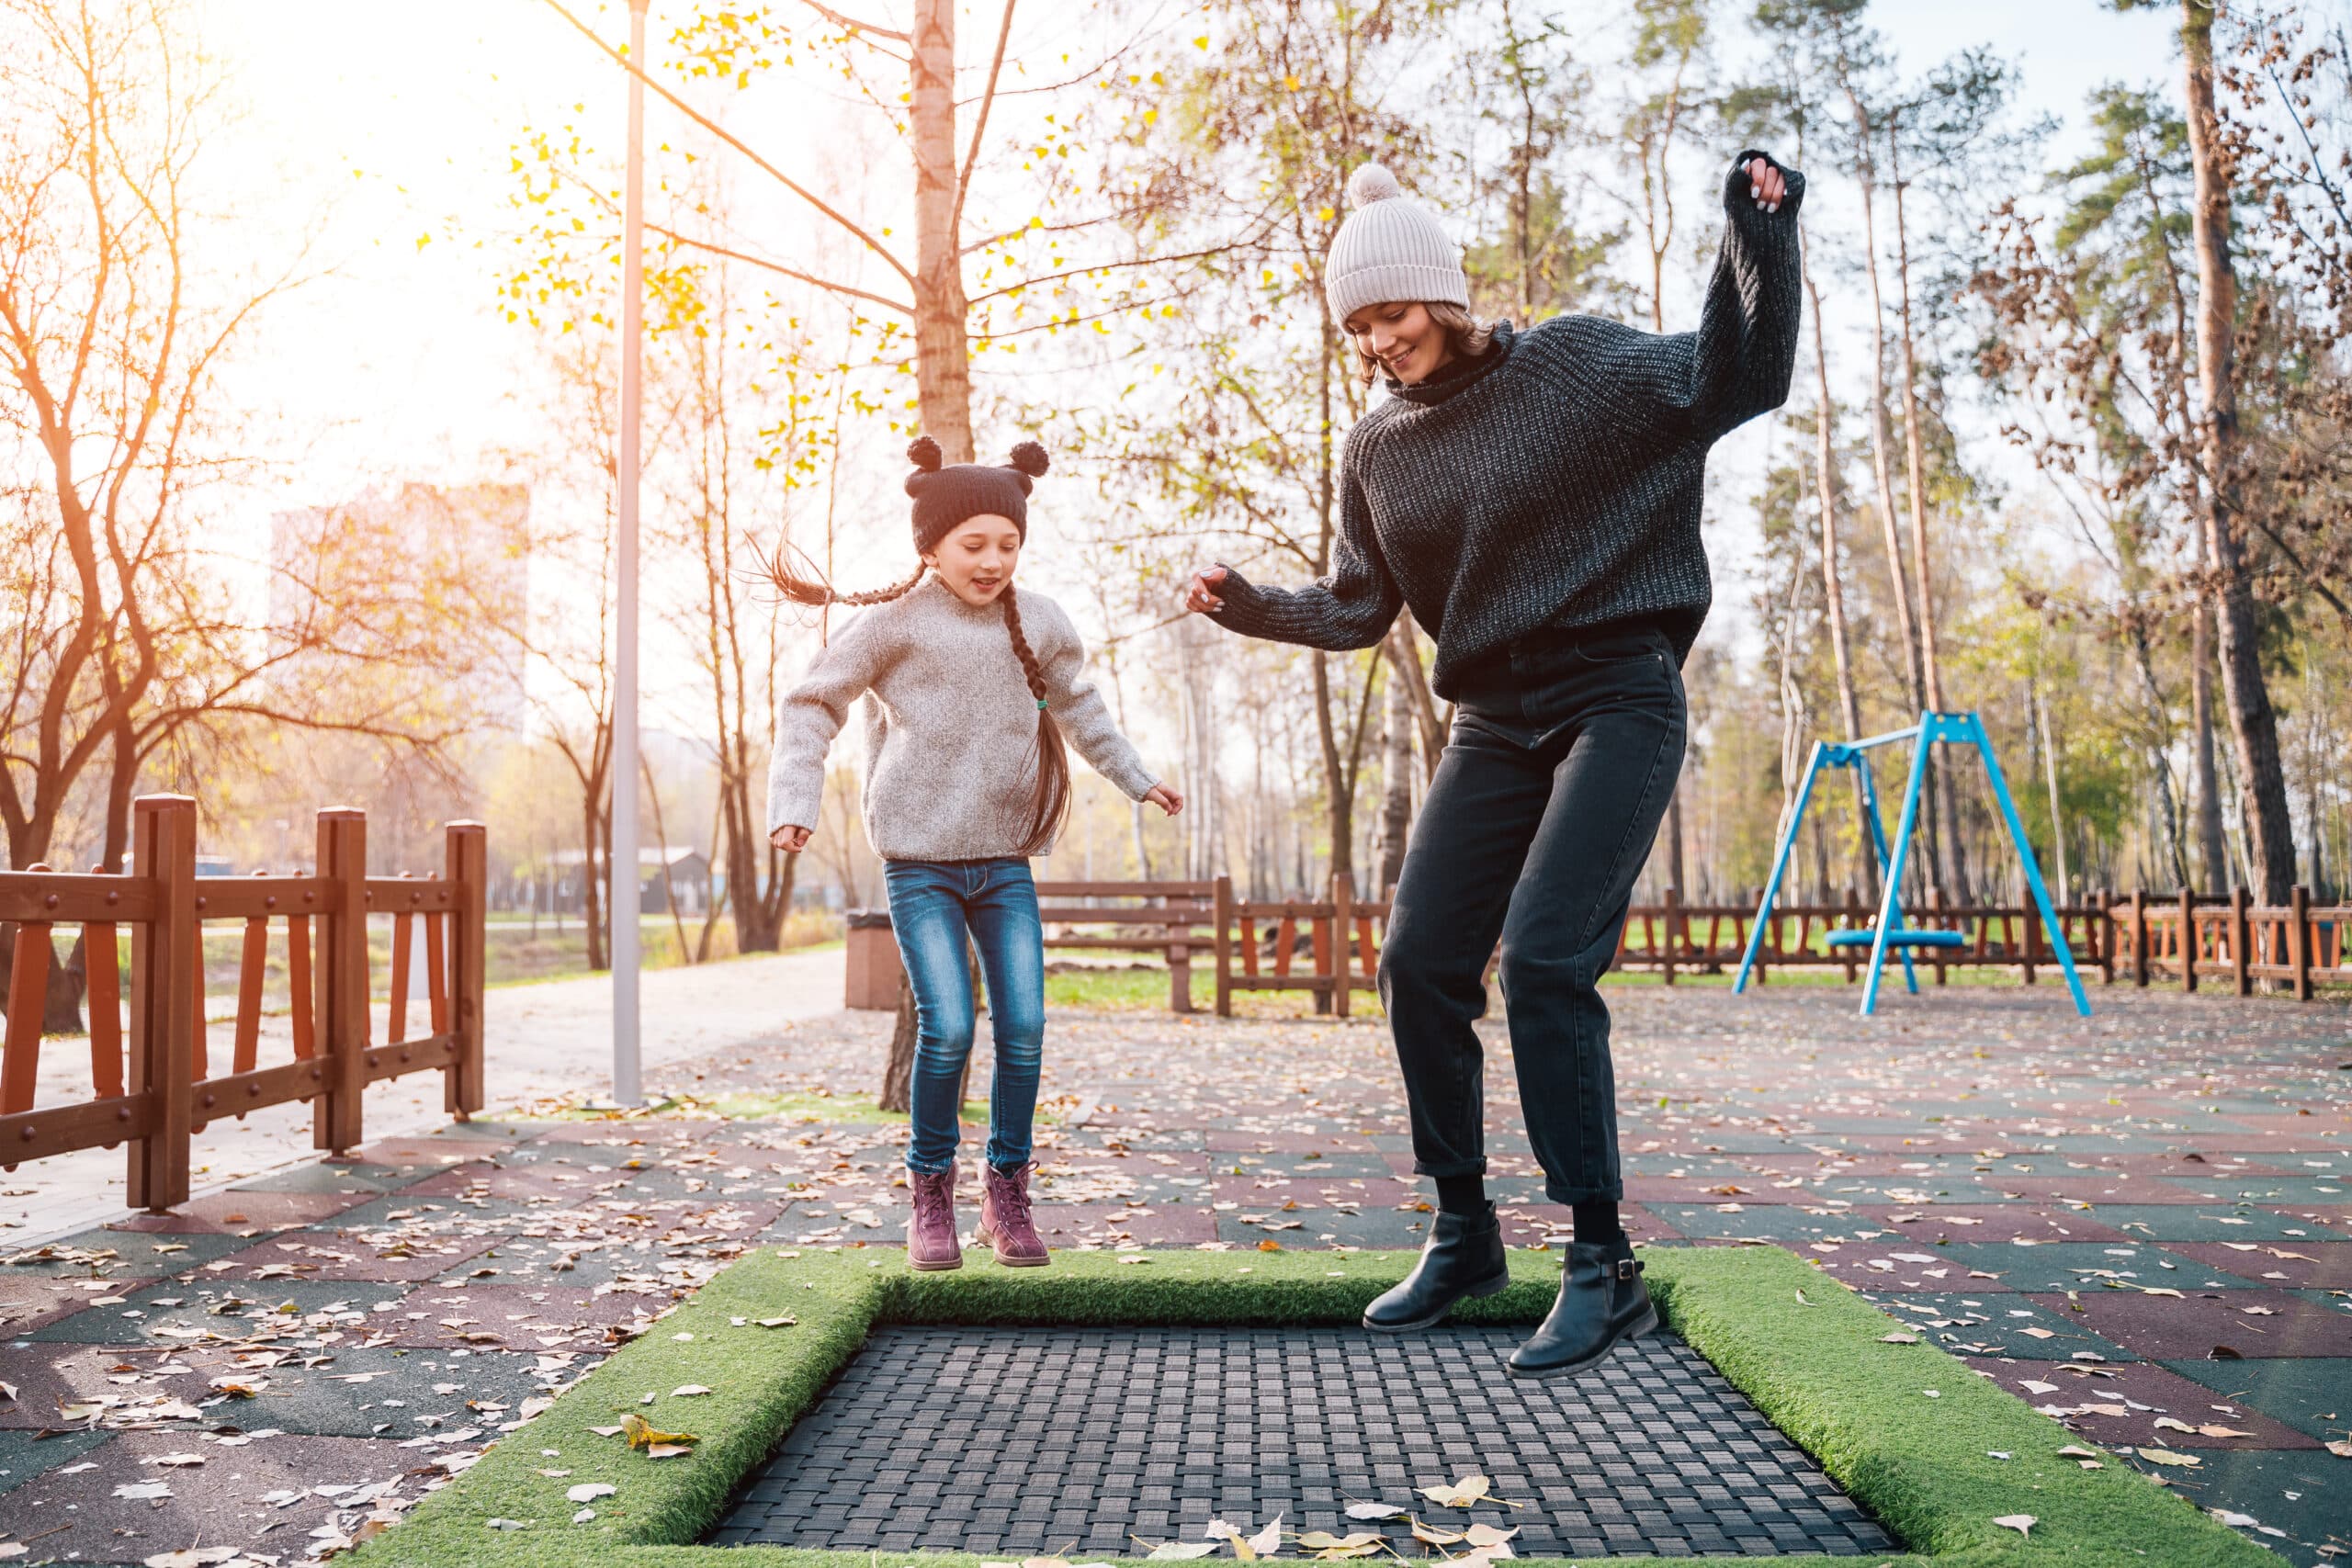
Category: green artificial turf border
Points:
column 1805, row 1349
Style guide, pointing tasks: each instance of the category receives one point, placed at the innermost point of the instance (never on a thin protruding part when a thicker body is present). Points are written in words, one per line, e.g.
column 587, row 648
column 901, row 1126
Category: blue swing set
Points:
column 1891, row 930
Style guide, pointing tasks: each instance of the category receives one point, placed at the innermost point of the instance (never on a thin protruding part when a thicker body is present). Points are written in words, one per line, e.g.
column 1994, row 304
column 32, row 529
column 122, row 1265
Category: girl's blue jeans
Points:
column 935, row 907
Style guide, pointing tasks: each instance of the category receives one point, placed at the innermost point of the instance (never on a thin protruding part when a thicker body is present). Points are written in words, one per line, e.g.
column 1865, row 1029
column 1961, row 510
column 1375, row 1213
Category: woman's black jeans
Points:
column 1564, row 751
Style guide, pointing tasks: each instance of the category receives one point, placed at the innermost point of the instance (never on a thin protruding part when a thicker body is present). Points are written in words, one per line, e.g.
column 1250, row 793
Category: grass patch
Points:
column 1802, row 1347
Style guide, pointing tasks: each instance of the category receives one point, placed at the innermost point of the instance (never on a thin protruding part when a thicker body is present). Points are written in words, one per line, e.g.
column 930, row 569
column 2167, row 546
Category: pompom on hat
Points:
column 1389, row 248
column 946, row 495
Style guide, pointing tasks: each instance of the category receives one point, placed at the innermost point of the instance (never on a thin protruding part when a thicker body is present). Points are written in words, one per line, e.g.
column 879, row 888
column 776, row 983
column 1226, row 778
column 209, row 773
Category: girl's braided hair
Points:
column 1050, row 799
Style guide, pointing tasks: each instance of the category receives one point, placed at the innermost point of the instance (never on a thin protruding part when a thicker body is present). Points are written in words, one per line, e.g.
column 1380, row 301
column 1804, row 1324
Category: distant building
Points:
column 421, row 561
column 688, row 872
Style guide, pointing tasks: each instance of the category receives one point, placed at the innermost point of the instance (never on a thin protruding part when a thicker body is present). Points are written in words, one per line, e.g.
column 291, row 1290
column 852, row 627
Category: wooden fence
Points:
column 1331, row 948
column 154, row 1081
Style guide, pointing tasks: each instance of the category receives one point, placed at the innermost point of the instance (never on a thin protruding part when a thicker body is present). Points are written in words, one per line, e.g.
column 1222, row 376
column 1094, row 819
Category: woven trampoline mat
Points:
column 1076, row 1441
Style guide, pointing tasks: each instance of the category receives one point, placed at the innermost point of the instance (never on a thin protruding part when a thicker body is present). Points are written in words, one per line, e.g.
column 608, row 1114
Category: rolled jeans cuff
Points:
column 1451, row 1168
column 1575, row 1195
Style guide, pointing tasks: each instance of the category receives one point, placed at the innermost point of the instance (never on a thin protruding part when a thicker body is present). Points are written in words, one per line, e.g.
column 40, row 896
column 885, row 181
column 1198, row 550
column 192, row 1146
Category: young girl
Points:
column 965, row 778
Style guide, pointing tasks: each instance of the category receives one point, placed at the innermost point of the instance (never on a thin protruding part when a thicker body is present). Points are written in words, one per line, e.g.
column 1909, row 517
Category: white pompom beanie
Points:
column 1389, row 248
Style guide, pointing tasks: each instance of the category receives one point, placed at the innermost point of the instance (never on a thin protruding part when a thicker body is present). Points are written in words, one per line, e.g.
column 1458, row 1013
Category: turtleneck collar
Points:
column 1454, row 377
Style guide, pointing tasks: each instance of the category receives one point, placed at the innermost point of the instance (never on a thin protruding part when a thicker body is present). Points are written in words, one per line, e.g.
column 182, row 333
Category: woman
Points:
column 1534, row 497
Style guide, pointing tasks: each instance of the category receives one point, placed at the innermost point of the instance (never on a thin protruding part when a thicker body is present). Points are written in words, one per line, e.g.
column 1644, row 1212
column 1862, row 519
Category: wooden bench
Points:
column 1168, row 918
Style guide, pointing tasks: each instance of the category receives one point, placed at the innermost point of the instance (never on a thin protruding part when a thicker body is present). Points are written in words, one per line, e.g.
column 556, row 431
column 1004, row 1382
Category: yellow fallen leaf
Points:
column 1465, row 1491
column 1324, row 1540
column 642, row 1434
column 1900, row 1338
column 2165, row 1456
column 1488, row 1535
column 1433, row 1536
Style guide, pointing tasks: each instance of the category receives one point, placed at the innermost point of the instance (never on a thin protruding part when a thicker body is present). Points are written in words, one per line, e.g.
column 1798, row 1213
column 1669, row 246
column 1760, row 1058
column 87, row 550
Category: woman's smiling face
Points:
column 1401, row 335
column 975, row 559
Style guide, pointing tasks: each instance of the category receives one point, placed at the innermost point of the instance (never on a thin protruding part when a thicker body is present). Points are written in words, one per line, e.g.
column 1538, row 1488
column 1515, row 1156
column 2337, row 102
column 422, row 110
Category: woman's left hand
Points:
column 1766, row 185
column 1167, row 799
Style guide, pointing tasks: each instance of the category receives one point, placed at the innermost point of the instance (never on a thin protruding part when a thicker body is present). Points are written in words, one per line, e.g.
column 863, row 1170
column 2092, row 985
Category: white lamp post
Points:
column 626, row 884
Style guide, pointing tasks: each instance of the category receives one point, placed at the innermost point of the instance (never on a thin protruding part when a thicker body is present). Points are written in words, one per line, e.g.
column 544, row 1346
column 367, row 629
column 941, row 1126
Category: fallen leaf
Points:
column 144, row 1491
column 1900, row 1338
column 1375, row 1511
column 1176, row 1551
column 2022, row 1523
column 1268, row 1541
column 1488, row 1535
column 688, row 1391
column 2165, row 1456
column 641, row 1434
column 1435, row 1536
column 589, row 1491
column 778, row 1321
column 1465, row 1491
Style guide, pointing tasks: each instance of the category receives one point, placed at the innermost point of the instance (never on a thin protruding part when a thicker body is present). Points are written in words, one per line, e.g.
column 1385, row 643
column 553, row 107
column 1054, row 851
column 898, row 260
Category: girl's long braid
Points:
column 1050, row 804
column 814, row 590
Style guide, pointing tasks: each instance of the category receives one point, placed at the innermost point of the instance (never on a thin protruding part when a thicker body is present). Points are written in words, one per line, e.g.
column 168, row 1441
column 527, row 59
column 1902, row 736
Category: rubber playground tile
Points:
column 240, row 1210
column 2298, row 1264
column 394, row 1211
column 123, row 1255
column 213, row 1310
column 2114, row 1188
column 534, row 1320
column 2081, row 1265
column 332, row 1255
column 2272, row 1190
column 31, row 1301
column 425, row 1153
column 1104, row 1224
column 1226, row 1141
column 1328, row 1227
column 1752, row 1221
column 395, row 1393
column 363, row 1181
column 2207, row 1222
column 24, row 1458
column 1993, row 1224
column 222, row 1500
column 2119, row 1402
column 2253, row 1323
column 2304, row 1496
column 1970, row 1322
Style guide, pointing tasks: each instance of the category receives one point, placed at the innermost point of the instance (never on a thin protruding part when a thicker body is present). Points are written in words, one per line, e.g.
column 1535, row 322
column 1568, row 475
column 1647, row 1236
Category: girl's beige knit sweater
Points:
column 951, row 730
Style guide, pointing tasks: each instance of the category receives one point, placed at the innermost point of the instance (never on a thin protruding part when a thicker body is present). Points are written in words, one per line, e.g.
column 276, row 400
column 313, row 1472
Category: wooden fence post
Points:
column 164, row 954
column 1223, row 943
column 2140, row 937
column 341, row 977
column 2106, row 929
column 1343, row 953
column 1673, row 909
column 465, row 859
column 2239, row 934
column 2187, row 939
column 2299, row 939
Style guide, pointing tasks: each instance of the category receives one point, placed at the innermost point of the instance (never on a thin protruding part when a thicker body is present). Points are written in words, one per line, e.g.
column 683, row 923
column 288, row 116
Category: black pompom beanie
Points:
column 947, row 496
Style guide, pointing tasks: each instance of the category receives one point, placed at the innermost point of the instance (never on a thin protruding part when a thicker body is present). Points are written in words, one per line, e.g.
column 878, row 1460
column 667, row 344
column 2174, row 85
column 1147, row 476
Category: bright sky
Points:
column 369, row 127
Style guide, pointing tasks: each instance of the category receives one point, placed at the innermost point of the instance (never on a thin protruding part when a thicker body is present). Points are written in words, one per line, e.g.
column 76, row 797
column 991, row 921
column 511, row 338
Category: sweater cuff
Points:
column 1740, row 204
column 1246, row 611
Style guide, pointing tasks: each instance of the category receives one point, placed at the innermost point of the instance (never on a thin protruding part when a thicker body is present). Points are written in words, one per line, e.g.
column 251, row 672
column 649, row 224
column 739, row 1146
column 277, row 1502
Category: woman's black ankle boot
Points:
column 1464, row 1257
column 1602, row 1304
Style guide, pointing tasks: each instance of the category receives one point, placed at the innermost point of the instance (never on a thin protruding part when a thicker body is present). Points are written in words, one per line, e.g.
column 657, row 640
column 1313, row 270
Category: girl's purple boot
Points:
column 931, row 1228
column 1005, row 1224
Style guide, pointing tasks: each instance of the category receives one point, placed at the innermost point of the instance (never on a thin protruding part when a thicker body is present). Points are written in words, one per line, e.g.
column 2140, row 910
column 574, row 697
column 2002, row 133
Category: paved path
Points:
column 553, row 1038
column 2141, row 1223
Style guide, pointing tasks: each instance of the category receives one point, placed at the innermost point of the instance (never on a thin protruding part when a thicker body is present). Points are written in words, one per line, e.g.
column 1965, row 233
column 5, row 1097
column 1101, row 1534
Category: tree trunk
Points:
column 2254, row 724
column 2212, row 852
column 942, row 363
column 1405, row 663
column 1833, row 589
column 1952, row 859
column 1396, row 783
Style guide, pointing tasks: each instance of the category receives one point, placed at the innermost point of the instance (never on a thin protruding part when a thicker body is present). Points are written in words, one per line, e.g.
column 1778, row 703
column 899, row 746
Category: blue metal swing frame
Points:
column 1963, row 729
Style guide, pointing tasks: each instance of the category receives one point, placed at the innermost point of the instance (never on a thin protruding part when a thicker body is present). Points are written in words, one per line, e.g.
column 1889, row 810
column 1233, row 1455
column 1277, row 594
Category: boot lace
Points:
column 1013, row 1198
column 931, row 1200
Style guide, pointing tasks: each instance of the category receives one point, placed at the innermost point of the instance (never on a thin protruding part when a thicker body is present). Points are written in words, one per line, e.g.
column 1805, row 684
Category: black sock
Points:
column 1462, row 1194
column 1596, row 1221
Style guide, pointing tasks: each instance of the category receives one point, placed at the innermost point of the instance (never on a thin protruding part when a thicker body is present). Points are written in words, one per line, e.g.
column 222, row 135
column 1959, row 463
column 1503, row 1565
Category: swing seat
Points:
column 1904, row 938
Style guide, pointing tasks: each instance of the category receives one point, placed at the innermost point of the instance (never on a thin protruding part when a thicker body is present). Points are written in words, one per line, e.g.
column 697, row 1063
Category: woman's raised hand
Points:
column 790, row 839
column 1766, row 185
column 1202, row 597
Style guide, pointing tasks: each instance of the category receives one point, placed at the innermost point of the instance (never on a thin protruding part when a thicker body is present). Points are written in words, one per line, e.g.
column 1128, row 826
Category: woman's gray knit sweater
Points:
column 951, row 731
column 1557, row 481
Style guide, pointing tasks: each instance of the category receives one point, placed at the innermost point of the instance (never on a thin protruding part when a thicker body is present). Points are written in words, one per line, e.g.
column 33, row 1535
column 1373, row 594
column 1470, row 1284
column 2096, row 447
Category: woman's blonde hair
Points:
column 1465, row 334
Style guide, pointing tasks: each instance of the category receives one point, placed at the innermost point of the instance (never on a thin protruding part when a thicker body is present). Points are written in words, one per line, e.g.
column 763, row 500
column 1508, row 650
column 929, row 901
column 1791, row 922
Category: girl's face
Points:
column 1408, row 344
column 977, row 560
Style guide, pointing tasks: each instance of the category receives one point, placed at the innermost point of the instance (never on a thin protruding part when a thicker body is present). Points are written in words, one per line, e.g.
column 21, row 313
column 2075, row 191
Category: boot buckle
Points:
column 1627, row 1267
